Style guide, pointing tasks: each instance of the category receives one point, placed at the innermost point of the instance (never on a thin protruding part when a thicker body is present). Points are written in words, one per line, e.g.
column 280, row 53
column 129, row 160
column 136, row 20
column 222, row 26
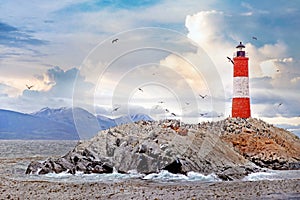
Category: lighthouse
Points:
column 241, row 98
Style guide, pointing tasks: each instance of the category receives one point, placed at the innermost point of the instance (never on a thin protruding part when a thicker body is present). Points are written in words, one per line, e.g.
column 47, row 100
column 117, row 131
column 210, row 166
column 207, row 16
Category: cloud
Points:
column 12, row 36
column 58, row 83
column 7, row 91
column 54, row 88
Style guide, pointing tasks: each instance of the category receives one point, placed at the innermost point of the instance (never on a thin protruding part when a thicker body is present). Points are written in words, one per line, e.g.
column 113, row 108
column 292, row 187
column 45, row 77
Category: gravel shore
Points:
column 141, row 189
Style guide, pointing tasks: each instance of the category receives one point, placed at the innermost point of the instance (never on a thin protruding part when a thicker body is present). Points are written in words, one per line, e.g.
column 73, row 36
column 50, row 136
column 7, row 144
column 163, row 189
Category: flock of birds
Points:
column 166, row 110
column 116, row 108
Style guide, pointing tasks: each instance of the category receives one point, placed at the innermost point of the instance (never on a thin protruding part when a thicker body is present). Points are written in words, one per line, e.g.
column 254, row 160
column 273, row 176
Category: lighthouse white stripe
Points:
column 241, row 87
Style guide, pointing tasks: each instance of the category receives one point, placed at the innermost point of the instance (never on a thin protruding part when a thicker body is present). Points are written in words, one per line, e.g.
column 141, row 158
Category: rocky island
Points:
column 231, row 148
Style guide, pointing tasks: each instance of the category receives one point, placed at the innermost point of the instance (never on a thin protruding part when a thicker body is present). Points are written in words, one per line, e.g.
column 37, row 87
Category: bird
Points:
column 230, row 60
column 202, row 96
column 173, row 114
column 167, row 110
column 161, row 102
column 140, row 89
column 202, row 114
column 254, row 38
column 115, row 109
column 115, row 40
column 279, row 104
column 29, row 87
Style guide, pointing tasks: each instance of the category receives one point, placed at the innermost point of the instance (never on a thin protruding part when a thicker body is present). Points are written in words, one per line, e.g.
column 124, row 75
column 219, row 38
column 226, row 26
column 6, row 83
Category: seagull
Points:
column 254, row 38
column 230, row 60
column 115, row 40
column 29, row 87
column 115, row 109
column 173, row 114
column 140, row 89
column 202, row 96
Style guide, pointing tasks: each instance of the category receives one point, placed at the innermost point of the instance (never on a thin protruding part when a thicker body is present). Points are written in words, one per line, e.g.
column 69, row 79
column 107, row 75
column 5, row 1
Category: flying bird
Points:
column 140, row 89
column 115, row 40
column 167, row 110
column 29, row 87
column 254, row 38
column 202, row 96
column 230, row 60
column 173, row 114
column 115, row 109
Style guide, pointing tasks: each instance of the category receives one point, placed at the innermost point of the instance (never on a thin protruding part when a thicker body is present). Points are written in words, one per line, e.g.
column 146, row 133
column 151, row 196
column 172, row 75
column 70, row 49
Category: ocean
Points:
column 15, row 155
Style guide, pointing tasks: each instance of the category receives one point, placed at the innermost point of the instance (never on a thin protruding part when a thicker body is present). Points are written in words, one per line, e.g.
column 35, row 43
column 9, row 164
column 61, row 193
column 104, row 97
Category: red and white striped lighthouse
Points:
column 241, row 98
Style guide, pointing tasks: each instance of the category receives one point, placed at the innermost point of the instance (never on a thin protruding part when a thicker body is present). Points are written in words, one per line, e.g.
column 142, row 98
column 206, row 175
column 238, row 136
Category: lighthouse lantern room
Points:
column 241, row 98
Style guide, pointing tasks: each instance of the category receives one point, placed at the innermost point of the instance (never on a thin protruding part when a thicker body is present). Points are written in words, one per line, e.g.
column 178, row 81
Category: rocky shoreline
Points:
column 137, row 189
column 230, row 148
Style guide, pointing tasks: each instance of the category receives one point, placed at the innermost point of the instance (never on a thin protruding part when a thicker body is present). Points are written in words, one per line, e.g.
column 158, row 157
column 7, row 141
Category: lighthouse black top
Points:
column 240, row 52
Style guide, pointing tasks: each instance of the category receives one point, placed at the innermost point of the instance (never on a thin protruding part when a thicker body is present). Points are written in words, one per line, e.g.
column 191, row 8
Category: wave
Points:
column 191, row 176
column 273, row 175
column 163, row 176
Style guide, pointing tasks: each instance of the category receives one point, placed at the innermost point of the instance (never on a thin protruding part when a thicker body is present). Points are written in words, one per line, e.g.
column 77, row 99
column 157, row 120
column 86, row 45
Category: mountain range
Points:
column 58, row 124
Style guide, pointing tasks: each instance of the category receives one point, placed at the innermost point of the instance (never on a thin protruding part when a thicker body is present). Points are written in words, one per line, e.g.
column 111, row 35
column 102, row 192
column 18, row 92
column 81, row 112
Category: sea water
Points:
column 19, row 149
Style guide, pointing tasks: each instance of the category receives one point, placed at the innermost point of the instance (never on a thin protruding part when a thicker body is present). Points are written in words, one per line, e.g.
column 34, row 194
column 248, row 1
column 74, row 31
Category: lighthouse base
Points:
column 241, row 107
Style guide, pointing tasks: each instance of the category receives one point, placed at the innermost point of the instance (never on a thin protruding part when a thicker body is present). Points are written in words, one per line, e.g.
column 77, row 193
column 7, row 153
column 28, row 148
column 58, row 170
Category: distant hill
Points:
column 14, row 125
column 59, row 123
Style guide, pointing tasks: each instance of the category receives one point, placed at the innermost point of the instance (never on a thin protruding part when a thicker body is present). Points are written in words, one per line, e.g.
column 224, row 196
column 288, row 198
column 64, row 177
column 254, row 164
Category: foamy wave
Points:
column 273, row 175
column 191, row 176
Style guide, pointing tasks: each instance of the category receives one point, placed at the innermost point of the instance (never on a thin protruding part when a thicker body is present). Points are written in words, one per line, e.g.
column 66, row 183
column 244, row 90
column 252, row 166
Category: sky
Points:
column 168, row 52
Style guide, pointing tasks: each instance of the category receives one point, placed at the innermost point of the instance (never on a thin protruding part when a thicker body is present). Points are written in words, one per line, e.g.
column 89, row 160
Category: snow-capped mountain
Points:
column 15, row 125
column 58, row 123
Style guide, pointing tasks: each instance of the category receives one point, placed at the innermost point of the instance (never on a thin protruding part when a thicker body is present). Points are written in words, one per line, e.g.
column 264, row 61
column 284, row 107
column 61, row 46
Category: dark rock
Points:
column 174, row 167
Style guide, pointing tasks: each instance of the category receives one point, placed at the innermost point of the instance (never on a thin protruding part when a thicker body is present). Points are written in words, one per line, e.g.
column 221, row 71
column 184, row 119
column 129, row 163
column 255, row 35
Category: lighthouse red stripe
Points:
column 241, row 107
column 240, row 66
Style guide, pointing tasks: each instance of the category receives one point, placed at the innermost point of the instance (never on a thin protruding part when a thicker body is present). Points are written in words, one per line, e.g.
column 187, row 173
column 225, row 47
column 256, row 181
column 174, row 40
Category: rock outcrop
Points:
column 262, row 143
column 146, row 147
